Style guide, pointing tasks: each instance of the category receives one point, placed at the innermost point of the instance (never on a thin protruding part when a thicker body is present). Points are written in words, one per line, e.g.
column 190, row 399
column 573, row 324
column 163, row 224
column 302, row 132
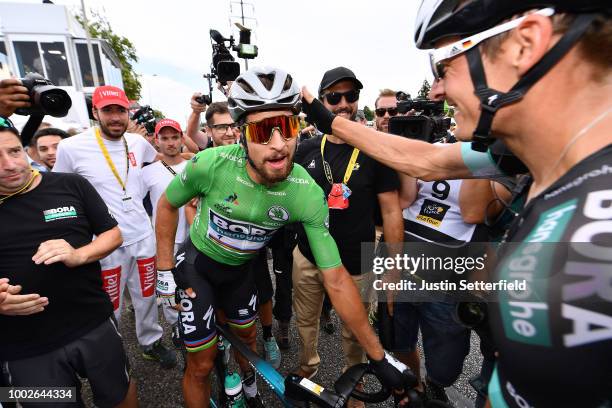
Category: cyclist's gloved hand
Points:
column 318, row 115
column 392, row 373
column 166, row 287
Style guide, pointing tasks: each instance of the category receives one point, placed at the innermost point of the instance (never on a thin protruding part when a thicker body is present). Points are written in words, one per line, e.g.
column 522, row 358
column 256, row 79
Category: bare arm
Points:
column 393, row 223
column 478, row 200
column 58, row 250
column 408, row 190
column 348, row 304
column 193, row 131
column 413, row 157
column 165, row 232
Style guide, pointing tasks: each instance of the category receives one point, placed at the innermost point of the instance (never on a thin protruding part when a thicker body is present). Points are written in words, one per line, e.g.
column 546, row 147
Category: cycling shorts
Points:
column 230, row 289
column 98, row 355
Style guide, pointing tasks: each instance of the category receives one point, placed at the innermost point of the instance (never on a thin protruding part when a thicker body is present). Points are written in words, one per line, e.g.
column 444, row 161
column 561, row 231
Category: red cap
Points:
column 167, row 123
column 109, row 95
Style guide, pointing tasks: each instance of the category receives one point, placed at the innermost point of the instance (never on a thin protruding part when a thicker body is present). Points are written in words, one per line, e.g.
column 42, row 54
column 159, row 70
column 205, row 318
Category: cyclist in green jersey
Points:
column 247, row 192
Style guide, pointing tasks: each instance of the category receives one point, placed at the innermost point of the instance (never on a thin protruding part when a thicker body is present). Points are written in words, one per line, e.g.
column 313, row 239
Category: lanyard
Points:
column 110, row 163
column 170, row 169
column 35, row 173
column 349, row 168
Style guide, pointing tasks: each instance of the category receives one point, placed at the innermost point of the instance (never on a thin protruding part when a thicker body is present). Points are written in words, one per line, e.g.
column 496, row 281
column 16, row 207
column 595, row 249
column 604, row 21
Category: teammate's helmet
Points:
column 439, row 19
column 263, row 88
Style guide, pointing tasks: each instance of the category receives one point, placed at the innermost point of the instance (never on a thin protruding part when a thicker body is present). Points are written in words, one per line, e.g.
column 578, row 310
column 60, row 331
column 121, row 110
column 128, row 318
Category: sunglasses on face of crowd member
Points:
column 224, row 126
column 333, row 98
column 380, row 112
column 261, row 132
column 438, row 56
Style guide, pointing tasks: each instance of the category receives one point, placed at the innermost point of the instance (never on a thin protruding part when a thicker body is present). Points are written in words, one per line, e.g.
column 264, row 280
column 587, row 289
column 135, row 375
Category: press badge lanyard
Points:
column 127, row 201
column 339, row 194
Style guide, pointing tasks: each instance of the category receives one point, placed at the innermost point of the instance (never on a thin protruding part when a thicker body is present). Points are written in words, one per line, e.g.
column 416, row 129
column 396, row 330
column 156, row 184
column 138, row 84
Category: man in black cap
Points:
column 353, row 183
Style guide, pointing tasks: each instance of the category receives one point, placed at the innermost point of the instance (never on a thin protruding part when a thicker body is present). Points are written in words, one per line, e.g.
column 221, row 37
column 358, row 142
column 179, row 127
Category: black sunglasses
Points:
column 380, row 112
column 333, row 98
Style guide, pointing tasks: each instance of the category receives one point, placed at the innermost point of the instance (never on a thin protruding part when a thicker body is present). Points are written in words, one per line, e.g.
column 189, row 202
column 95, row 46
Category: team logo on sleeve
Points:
column 432, row 212
column 278, row 213
column 326, row 222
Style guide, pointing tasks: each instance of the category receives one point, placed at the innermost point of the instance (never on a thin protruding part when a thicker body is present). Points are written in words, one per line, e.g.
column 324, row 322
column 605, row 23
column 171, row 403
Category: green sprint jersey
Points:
column 236, row 216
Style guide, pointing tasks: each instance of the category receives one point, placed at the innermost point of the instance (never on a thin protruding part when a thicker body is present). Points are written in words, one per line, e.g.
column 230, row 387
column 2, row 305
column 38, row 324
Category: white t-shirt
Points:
column 156, row 178
column 81, row 154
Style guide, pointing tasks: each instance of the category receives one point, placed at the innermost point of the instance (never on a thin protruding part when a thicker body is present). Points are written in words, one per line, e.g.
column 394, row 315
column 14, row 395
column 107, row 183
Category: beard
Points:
column 114, row 134
column 351, row 112
column 271, row 175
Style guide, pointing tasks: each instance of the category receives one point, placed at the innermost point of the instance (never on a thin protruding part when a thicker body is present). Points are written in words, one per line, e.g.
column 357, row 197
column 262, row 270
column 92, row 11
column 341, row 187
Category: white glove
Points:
column 166, row 287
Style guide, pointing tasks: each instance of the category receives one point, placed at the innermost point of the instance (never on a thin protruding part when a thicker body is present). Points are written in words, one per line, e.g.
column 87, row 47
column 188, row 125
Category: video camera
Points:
column 144, row 116
column 430, row 123
column 223, row 67
column 45, row 98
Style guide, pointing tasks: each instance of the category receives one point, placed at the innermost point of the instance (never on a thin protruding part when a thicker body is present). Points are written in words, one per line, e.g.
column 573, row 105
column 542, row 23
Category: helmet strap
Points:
column 492, row 100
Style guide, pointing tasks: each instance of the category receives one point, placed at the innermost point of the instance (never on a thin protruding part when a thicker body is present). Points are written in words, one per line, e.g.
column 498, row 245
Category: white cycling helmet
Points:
column 249, row 93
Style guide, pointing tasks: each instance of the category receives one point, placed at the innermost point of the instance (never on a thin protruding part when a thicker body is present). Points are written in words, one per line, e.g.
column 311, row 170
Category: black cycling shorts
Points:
column 98, row 356
column 217, row 286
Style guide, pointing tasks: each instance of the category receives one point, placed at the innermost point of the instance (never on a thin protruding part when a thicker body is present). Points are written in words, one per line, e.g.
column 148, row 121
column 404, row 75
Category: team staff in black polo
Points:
column 63, row 325
column 353, row 183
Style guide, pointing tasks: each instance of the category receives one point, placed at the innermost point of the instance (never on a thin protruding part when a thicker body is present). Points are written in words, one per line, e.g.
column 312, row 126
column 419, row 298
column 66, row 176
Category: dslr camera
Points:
column 144, row 116
column 429, row 124
column 45, row 98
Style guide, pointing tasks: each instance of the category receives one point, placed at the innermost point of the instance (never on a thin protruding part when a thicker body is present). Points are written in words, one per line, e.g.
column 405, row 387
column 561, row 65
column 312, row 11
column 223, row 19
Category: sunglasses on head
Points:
column 6, row 123
column 380, row 112
column 333, row 98
column 438, row 56
column 261, row 132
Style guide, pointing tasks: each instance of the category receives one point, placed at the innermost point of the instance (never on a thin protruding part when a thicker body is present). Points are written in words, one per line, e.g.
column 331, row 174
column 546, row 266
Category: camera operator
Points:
column 220, row 128
column 48, row 221
column 385, row 107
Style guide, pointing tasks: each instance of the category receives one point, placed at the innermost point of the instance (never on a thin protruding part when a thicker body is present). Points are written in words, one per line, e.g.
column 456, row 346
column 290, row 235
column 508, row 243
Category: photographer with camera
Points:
column 385, row 107
column 112, row 160
column 220, row 128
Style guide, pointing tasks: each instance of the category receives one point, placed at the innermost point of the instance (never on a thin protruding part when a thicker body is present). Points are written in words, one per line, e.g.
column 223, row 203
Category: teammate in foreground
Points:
column 247, row 192
column 538, row 76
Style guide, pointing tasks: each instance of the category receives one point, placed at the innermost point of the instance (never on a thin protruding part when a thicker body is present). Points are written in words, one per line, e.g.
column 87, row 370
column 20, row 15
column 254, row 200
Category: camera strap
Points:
column 110, row 163
column 170, row 169
column 30, row 128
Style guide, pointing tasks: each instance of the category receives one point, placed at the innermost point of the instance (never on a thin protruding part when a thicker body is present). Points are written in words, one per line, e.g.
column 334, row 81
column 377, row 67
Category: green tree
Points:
column 158, row 114
column 368, row 113
column 99, row 27
column 424, row 91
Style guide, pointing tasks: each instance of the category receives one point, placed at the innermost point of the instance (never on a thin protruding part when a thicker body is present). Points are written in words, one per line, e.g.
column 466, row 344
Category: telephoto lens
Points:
column 45, row 98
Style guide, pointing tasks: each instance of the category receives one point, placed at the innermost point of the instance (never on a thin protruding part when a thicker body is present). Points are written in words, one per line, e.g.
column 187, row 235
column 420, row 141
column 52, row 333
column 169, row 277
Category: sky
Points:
column 305, row 38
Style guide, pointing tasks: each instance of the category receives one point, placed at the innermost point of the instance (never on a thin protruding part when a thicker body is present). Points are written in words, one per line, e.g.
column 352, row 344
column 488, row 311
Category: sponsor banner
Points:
column 111, row 281
column 147, row 273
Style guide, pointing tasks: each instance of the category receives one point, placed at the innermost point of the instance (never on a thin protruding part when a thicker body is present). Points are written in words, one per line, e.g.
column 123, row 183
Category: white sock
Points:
column 249, row 384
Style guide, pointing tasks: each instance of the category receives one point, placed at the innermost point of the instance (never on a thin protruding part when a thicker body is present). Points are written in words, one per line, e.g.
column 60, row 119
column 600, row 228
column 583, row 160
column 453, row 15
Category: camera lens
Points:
column 55, row 102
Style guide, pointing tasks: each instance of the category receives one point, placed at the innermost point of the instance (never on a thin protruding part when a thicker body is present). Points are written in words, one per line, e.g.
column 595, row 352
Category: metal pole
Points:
column 92, row 61
column 246, row 62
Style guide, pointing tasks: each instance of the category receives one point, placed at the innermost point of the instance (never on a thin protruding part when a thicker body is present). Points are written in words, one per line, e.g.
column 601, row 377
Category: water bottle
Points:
column 233, row 391
column 223, row 347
